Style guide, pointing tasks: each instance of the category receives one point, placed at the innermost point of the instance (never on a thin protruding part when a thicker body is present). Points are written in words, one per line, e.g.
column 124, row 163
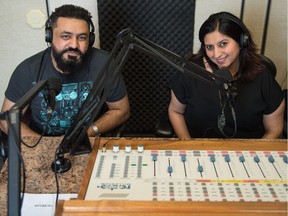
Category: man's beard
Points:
column 70, row 65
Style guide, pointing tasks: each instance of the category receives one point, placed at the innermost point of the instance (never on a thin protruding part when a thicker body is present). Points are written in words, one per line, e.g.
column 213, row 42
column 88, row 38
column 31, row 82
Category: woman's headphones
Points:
column 49, row 32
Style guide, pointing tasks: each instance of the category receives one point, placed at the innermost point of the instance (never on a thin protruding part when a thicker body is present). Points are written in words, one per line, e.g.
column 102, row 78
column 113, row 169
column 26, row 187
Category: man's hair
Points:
column 69, row 11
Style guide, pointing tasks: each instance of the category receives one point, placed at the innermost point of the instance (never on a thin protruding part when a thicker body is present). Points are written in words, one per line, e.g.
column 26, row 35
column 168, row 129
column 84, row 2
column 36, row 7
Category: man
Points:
column 72, row 59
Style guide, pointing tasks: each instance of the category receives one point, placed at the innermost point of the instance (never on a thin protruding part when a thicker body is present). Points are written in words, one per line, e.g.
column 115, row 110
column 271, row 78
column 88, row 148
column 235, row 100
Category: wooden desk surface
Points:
column 83, row 207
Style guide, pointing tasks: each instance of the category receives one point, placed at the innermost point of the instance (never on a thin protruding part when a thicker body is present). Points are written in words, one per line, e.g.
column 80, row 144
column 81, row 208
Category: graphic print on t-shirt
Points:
column 68, row 103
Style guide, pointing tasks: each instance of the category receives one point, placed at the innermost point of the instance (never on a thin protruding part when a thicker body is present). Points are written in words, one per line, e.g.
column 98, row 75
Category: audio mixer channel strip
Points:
column 189, row 175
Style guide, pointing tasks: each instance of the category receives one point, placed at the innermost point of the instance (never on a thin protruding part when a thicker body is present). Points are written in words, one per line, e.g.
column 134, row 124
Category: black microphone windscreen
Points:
column 55, row 84
column 225, row 74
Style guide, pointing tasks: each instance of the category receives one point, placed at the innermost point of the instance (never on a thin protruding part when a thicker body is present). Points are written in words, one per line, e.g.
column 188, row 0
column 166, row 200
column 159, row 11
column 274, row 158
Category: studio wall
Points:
column 18, row 40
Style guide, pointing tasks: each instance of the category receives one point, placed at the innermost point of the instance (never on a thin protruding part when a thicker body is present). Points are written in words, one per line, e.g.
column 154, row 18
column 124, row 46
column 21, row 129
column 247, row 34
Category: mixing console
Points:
column 189, row 175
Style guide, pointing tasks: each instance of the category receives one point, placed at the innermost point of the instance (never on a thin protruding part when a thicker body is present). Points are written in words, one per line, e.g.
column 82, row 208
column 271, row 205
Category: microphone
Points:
column 225, row 74
column 54, row 88
column 229, row 86
column 230, row 92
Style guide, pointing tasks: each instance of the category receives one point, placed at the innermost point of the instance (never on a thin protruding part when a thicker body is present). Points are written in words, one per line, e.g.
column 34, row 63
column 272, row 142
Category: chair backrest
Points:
column 169, row 23
column 3, row 147
column 270, row 65
column 285, row 114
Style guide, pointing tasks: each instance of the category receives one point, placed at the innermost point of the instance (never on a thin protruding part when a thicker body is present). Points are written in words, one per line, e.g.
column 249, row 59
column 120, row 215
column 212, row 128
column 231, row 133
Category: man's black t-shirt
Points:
column 75, row 88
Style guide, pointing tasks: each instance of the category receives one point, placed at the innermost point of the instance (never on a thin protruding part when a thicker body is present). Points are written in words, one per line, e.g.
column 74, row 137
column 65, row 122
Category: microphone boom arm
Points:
column 126, row 41
column 13, row 117
column 127, row 36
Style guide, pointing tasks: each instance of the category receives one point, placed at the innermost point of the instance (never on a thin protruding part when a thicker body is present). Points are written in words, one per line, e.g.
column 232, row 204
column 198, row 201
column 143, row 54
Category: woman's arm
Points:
column 273, row 123
column 176, row 111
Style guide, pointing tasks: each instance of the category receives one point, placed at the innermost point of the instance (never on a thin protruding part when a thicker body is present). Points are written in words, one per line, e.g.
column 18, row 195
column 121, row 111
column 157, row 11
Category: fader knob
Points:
column 140, row 148
column 200, row 168
column 212, row 158
column 271, row 159
column 170, row 169
column 116, row 148
column 227, row 158
column 128, row 148
column 256, row 159
column 242, row 159
column 285, row 159
column 183, row 158
column 154, row 157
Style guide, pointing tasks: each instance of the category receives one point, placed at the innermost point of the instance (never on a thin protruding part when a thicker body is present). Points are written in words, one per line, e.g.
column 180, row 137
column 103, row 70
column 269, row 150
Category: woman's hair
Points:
column 230, row 25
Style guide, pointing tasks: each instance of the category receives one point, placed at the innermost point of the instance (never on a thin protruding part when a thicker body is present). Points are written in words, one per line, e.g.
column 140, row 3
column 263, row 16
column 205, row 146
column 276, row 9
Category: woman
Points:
column 255, row 107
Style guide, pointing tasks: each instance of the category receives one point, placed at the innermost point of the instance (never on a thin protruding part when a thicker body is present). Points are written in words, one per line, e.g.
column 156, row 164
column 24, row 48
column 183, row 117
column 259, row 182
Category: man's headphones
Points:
column 245, row 36
column 49, row 32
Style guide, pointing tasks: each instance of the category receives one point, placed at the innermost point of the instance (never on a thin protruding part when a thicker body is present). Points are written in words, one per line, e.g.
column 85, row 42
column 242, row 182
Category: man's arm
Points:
column 117, row 114
column 25, row 130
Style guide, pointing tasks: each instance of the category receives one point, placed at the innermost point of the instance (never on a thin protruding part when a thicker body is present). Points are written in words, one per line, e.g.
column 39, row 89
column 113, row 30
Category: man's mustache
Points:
column 73, row 50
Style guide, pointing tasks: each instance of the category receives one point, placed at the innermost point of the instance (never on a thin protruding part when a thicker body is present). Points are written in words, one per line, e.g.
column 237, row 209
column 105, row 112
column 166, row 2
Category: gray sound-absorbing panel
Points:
column 169, row 23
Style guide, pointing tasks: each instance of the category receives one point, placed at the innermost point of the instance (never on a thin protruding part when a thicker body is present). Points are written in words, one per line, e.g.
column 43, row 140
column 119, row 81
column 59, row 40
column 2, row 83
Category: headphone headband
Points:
column 49, row 31
column 245, row 36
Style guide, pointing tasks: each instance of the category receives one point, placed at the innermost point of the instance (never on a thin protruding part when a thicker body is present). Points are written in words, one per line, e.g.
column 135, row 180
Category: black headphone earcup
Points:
column 91, row 39
column 244, row 40
column 48, row 34
column 203, row 50
column 244, row 36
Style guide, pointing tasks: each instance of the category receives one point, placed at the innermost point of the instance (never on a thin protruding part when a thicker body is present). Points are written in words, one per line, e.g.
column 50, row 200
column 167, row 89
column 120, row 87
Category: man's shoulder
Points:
column 99, row 52
column 36, row 58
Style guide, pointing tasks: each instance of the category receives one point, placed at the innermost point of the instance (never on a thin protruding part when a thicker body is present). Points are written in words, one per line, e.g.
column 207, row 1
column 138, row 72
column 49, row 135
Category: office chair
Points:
column 285, row 114
column 3, row 148
column 270, row 65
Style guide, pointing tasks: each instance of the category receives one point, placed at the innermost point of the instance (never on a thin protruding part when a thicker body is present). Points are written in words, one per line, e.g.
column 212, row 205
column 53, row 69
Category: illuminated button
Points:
column 116, row 148
column 128, row 148
column 241, row 158
column 140, row 148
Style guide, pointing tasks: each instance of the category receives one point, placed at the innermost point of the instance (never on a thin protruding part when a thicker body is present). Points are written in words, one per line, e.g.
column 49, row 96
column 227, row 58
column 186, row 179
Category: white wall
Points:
column 18, row 40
